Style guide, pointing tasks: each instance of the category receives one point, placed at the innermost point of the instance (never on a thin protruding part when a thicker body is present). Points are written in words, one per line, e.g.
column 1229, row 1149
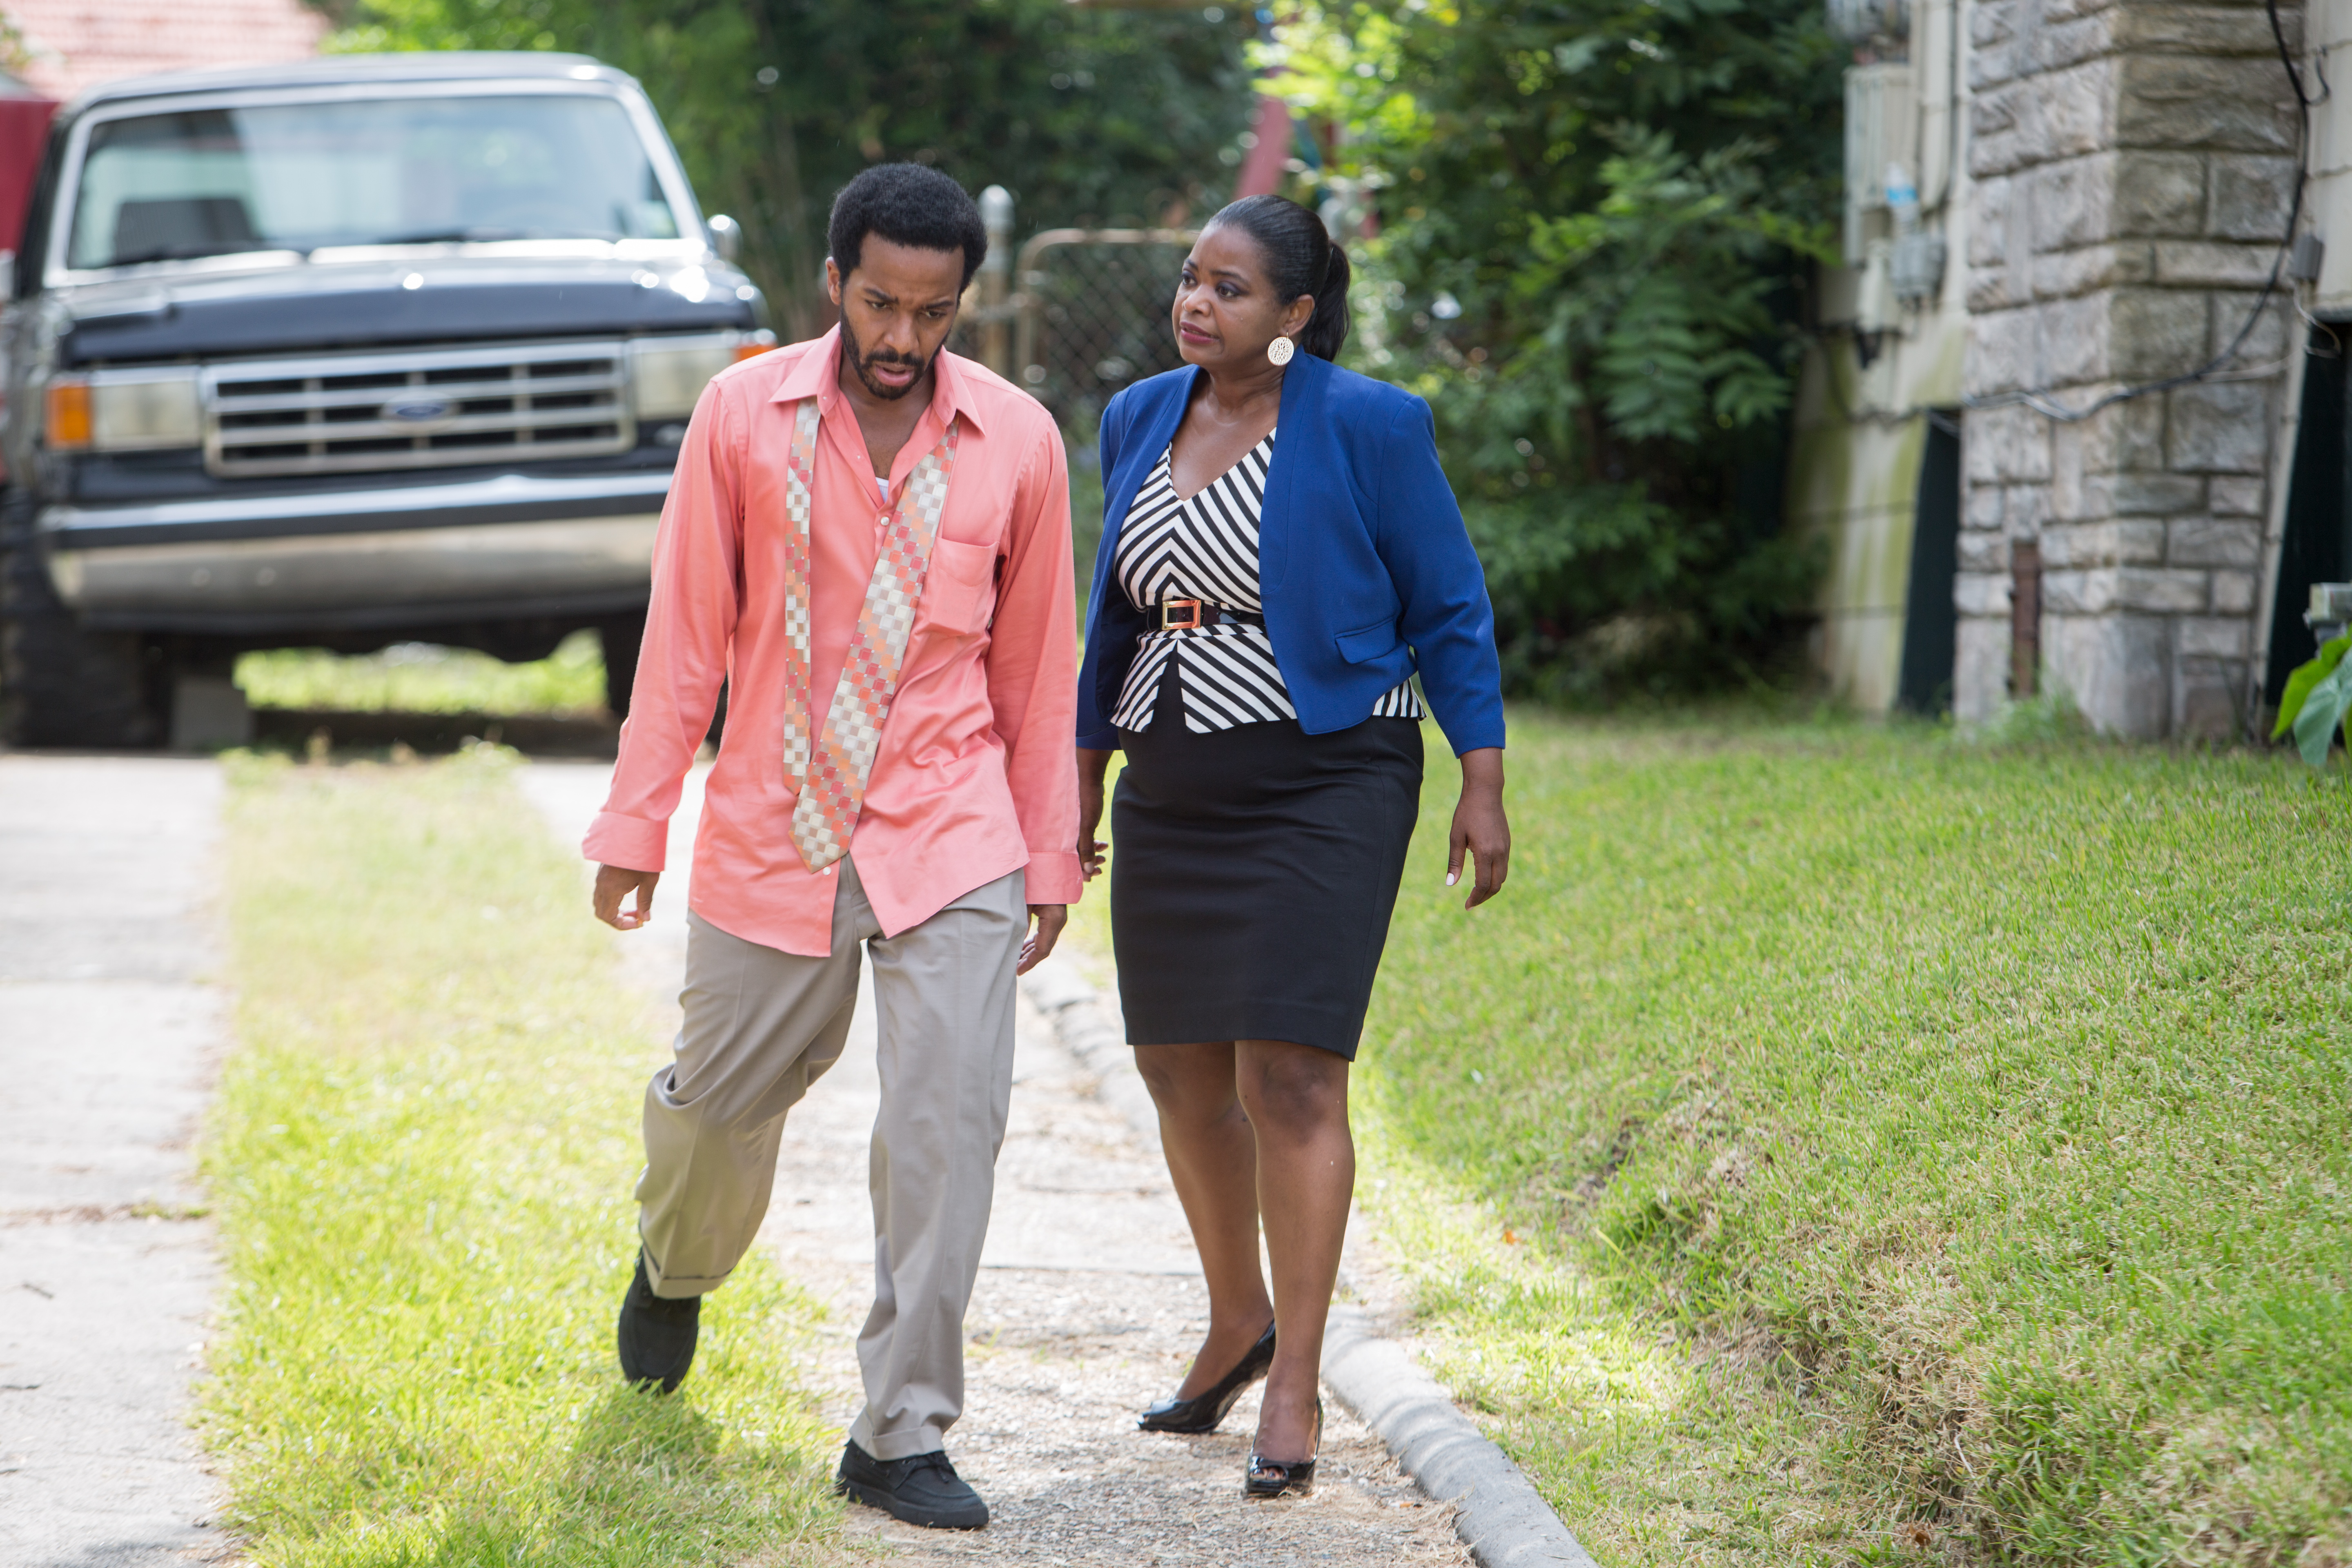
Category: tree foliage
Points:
column 1595, row 219
column 1087, row 116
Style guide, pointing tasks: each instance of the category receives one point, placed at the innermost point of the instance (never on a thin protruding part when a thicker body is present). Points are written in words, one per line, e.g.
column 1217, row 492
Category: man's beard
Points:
column 860, row 364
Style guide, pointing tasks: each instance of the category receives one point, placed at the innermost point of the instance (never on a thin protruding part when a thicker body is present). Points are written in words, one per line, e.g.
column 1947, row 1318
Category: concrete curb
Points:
column 1498, row 1514
column 1090, row 1031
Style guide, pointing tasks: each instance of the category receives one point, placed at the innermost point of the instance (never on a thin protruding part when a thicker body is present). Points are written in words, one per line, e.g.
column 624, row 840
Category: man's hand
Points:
column 1050, row 919
column 1480, row 827
column 614, row 883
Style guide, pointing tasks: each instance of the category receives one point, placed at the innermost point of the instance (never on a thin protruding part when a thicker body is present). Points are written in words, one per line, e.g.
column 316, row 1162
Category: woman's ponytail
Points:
column 1327, row 329
column 1301, row 259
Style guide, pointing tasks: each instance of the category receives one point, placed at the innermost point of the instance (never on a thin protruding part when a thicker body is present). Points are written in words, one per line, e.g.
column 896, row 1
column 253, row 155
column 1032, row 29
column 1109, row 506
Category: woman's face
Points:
column 1225, row 312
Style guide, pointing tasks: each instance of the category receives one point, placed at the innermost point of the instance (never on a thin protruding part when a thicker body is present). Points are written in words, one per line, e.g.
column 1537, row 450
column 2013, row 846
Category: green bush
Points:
column 1596, row 219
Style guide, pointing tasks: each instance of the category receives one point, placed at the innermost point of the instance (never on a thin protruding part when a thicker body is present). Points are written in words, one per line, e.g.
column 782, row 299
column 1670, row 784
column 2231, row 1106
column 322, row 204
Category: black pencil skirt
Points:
column 1253, row 874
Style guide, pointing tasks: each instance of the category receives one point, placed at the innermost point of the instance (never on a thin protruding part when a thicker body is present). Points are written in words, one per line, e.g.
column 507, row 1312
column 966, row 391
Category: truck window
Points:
column 404, row 171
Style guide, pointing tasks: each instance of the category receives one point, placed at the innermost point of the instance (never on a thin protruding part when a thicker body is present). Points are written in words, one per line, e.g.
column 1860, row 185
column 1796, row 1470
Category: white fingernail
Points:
column 1452, row 877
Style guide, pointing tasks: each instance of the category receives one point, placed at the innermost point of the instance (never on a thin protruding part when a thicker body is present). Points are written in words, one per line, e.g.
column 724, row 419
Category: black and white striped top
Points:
column 1206, row 549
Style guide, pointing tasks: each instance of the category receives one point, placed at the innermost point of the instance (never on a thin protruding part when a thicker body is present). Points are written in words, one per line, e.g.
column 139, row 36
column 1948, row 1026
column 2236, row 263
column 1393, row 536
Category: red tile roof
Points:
column 75, row 44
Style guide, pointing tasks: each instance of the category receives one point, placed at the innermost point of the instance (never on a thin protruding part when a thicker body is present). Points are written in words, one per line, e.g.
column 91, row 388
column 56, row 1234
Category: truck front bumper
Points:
column 511, row 546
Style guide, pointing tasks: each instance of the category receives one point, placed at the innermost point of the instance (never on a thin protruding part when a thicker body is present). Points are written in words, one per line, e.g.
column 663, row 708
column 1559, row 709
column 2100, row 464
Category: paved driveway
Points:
column 110, row 1034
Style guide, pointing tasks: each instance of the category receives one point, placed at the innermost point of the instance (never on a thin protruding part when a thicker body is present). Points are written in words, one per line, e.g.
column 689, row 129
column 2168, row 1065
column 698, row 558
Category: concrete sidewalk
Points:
column 1089, row 1306
column 110, row 1036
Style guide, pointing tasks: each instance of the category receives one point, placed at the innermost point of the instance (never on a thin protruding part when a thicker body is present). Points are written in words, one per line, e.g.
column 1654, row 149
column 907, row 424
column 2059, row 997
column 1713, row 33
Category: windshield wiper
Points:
column 440, row 236
column 479, row 235
column 189, row 252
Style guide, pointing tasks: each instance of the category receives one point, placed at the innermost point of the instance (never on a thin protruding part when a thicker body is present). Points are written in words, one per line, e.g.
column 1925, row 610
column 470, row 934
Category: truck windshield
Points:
column 407, row 171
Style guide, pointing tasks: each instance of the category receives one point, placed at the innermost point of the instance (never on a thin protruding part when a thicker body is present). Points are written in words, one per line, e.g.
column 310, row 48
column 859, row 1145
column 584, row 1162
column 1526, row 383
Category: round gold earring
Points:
column 1280, row 350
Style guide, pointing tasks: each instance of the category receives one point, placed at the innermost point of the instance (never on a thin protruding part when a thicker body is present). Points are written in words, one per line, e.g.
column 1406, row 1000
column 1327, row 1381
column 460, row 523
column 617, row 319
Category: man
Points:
column 868, row 539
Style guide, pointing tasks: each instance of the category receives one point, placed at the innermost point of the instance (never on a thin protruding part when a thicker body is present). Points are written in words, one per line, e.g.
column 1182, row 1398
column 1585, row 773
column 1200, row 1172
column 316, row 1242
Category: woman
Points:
column 1280, row 555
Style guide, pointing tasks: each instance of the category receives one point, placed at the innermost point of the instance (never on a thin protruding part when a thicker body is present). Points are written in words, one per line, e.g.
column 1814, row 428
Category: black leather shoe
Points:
column 922, row 1490
column 1205, row 1410
column 656, row 1336
column 1267, row 1477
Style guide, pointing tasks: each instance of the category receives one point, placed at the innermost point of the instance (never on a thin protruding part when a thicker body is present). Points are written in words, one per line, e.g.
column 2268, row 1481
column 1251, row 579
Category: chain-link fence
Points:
column 1083, row 313
column 1093, row 316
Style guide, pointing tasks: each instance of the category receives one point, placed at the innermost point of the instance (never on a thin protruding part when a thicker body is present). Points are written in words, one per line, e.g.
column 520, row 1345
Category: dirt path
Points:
column 1089, row 1307
column 109, row 1039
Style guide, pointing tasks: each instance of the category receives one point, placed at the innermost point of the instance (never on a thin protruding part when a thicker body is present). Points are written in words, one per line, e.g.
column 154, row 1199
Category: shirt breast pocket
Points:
column 959, row 586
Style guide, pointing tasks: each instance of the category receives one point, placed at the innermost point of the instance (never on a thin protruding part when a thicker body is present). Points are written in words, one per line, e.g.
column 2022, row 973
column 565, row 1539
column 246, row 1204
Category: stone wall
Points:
column 2134, row 162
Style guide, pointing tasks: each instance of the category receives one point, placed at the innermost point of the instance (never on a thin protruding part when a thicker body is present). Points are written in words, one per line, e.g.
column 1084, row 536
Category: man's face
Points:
column 897, row 309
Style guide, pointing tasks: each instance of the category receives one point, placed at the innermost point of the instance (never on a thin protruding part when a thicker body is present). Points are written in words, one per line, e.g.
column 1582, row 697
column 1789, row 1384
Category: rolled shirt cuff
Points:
column 1054, row 878
column 633, row 843
column 1103, row 739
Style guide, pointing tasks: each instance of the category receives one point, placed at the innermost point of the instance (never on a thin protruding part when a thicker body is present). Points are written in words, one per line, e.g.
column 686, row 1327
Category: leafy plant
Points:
column 1595, row 221
column 2316, row 702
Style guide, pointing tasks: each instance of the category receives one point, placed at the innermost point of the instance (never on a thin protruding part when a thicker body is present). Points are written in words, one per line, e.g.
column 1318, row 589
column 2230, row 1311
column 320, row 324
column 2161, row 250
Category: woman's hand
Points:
column 1480, row 827
column 1092, row 767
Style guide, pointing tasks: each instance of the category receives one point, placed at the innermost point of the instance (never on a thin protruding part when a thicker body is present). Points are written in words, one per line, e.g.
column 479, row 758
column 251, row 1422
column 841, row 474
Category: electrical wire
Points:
column 2211, row 370
column 2319, row 328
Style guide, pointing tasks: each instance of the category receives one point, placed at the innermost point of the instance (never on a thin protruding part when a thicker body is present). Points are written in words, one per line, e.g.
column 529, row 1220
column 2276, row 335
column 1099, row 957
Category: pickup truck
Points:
column 337, row 354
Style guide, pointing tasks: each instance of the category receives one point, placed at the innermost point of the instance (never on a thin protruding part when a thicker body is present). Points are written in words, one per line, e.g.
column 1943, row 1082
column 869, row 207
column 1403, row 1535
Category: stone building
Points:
column 2050, row 430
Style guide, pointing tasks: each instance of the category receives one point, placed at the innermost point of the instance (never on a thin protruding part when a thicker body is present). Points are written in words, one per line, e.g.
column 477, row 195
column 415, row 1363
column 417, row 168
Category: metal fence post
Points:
column 995, row 281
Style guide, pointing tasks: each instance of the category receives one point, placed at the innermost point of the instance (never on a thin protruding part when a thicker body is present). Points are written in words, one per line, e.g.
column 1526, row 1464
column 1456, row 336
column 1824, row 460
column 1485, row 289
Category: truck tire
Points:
column 620, row 637
column 63, row 686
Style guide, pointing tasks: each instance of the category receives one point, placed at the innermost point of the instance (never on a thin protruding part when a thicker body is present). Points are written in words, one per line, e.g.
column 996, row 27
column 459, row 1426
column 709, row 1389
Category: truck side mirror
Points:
column 725, row 235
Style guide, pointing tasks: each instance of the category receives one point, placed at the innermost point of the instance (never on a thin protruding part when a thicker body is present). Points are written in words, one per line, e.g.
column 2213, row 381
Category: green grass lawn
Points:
column 1851, row 1145
column 418, row 678
column 422, row 1153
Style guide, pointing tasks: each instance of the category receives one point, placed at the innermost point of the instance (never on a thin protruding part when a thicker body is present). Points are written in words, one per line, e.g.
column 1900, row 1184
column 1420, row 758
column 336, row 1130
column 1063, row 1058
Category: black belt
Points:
column 1185, row 614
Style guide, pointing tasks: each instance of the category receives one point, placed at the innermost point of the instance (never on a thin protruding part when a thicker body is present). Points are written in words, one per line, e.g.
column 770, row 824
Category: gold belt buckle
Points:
column 1170, row 608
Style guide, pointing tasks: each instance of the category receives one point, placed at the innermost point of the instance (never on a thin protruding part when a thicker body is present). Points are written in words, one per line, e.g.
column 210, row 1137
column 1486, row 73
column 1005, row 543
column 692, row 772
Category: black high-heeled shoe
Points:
column 1205, row 1410
column 1267, row 1477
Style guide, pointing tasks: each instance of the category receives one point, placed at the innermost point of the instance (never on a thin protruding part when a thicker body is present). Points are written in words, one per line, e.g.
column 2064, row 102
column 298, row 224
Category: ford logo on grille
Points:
column 421, row 411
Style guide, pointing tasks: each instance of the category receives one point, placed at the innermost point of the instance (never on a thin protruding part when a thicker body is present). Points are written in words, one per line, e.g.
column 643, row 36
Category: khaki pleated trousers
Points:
column 761, row 1027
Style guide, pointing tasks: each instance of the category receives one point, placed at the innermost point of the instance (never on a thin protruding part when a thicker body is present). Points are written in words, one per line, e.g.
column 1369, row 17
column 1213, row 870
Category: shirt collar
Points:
column 818, row 375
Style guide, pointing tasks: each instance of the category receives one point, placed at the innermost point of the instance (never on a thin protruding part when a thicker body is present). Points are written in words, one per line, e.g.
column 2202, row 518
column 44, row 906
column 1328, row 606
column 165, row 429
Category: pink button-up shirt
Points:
column 975, row 776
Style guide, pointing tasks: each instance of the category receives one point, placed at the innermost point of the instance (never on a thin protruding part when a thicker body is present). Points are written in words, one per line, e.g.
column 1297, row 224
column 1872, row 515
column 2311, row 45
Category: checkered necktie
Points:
column 831, row 776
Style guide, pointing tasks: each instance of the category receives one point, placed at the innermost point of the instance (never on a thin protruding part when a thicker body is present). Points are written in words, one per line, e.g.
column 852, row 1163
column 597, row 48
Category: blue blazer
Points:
column 1364, row 566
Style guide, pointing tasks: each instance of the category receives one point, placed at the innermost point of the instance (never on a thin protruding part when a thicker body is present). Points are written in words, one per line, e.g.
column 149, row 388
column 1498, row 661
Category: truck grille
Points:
column 417, row 409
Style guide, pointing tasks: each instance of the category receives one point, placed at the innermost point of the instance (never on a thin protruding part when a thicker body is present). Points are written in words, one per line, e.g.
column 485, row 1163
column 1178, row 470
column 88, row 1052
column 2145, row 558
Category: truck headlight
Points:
column 669, row 373
column 123, row 411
